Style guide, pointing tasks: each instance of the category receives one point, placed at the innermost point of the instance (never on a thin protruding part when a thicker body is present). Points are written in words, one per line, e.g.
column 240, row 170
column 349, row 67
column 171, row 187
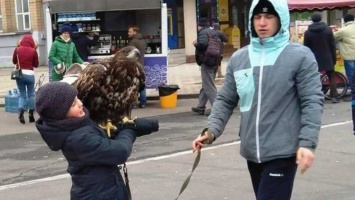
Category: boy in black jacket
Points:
column 64, row 124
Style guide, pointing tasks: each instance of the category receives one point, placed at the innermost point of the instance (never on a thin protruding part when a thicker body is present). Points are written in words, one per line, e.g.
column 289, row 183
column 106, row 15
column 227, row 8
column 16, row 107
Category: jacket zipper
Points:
column 259, row 104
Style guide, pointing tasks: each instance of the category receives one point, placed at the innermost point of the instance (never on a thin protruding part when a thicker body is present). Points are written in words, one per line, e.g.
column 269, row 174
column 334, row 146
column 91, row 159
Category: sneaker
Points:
column 220, row 76
column 198, row 110
column 335, row 100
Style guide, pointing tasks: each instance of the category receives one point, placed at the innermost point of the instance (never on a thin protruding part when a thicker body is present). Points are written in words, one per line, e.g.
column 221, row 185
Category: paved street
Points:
column 161, row 161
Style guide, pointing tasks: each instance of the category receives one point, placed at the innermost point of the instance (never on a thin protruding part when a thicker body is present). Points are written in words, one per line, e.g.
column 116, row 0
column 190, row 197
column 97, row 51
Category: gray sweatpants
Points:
column 208, row 91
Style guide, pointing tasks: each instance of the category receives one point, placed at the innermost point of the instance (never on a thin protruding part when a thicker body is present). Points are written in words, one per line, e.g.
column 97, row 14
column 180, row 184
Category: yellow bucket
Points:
column 168, row 96
column 169, row 101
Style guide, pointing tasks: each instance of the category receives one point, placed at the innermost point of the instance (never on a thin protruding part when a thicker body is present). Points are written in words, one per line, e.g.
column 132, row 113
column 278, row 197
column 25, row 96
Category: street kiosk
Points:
column 111, row 19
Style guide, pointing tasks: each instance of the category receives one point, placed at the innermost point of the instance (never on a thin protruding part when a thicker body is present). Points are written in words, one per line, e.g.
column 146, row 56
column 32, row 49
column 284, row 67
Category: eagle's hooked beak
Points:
column 135, row 53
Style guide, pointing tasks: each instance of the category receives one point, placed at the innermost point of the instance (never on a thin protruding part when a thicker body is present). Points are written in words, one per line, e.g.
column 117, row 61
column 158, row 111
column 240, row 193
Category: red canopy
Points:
column 319, row 4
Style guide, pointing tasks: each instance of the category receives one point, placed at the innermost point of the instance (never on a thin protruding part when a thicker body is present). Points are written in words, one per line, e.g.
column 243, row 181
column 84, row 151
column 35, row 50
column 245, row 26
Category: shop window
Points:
column 0, row 20
column 22, row 15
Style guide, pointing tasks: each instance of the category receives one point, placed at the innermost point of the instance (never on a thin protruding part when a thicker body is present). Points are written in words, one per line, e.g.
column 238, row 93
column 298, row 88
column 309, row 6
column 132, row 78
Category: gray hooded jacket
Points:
column 278, row 86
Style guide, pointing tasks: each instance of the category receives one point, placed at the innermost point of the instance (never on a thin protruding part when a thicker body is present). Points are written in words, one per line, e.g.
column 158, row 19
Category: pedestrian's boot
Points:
column 20, row 117
column 335, row 100
column 30, row 116
column 199, row 110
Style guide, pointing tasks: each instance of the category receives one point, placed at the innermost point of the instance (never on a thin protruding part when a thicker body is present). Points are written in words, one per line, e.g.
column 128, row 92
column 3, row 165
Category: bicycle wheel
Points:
column 341, row 82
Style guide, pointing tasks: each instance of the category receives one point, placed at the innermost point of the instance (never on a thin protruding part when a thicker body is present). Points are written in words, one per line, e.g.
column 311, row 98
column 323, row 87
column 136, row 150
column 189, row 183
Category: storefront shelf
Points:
column 78, row 21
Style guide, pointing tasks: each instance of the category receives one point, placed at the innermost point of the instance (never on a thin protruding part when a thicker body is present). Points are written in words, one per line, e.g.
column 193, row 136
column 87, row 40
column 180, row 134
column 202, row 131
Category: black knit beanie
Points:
column 54, row 99
column 265, row 6
column 348, row 18
column 316, row 17
column 203, row 22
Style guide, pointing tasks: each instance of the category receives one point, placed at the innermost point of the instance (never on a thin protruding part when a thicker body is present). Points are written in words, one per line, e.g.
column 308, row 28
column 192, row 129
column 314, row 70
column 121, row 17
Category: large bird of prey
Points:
column 108, row 87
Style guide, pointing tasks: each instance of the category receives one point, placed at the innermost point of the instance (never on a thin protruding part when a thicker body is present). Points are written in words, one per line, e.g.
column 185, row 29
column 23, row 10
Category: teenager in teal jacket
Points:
column 63, row 50
column 281, row 103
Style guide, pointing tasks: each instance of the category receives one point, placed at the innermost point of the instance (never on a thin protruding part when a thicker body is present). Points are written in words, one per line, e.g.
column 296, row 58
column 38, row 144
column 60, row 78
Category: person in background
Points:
column 346, row 40
column 223, row 37
column 92, row 157
column 281, row 102
column 25, row 57
column 320, row 39
column 208, row 91
column 82, row 42
column 136, row 40
column 63, row 51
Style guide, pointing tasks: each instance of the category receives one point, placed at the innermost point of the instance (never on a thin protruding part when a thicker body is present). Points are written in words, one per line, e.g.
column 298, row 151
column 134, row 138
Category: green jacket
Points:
column 346, row 38
column 62, row 51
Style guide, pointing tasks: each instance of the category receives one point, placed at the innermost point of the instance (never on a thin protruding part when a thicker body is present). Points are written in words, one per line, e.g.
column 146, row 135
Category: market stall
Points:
column 111, row 19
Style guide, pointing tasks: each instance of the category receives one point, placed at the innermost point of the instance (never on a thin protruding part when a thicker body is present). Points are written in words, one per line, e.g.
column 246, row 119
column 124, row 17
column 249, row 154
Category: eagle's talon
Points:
column 108, row 127
column 126, row 120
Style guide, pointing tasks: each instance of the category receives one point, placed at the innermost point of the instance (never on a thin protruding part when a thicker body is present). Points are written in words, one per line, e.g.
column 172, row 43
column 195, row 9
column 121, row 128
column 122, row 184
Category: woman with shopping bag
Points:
column 25, row 57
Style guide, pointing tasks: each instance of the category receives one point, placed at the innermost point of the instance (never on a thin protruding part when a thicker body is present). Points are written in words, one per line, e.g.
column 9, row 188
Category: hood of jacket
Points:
column 281, row 38
column 317, row 27
column 138, row 36
column 53, row 137
column 27, row 41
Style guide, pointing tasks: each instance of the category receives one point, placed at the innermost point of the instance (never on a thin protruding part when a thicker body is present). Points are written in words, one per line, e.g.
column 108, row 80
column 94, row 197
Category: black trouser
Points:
column 273, row 180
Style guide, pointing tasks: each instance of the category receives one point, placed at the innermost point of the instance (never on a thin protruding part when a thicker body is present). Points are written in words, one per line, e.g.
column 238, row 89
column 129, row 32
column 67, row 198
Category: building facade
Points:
column 17, row 18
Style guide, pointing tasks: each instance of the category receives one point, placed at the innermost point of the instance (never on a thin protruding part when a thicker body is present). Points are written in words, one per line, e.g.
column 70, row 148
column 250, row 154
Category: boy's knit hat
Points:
column 54, row 99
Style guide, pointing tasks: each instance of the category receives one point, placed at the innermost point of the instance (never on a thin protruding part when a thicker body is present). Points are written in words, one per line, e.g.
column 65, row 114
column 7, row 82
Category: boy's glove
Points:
column 141, row 126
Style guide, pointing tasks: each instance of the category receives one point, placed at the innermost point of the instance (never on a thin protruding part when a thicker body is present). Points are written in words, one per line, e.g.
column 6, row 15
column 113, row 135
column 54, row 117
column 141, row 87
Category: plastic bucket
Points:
column 168, row 96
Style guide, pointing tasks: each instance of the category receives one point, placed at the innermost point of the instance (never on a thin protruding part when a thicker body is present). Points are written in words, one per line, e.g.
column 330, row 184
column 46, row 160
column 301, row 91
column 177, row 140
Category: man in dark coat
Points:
column 82, row 42
column 136, row 40
column 320, row 39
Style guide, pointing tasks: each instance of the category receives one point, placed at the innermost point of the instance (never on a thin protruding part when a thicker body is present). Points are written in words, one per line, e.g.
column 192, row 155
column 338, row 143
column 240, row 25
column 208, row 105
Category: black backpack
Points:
column 212, row 55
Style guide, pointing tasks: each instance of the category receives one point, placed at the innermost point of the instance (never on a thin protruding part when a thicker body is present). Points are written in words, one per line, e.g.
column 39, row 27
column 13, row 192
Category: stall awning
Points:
column 66, row 6
column 319, row 4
